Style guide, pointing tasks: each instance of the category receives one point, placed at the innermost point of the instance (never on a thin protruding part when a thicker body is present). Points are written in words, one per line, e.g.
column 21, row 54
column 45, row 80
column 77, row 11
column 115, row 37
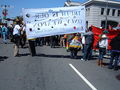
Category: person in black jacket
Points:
column 89, row 39
column 115, row 52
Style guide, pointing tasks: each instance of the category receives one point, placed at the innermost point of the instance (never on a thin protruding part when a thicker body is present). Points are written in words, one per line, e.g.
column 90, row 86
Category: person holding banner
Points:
column 32, row 47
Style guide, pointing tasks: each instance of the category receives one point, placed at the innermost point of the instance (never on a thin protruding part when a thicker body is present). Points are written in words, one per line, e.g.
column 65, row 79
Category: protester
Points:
column 16, row 35
column 37, row 42
column 10, row 29
column 47, row 40
column 41, row 41
column 53, row 41
column 88, row 45
column 4, row 33
column 65, row 40
column 32, row 47
column 83, row 43
column 103, row 44
column 22, row 36
column 115, row 52
column 62, row 44
column 75, row 45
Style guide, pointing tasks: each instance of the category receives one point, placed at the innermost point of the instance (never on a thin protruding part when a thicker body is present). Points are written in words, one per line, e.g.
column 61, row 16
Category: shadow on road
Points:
column 53, row 56
column 56, row 56
column 2, row 58
column 25, row 54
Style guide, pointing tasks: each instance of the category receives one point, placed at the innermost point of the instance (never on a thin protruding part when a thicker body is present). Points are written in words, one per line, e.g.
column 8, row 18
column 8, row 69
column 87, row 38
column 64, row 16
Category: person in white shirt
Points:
column 16, row 30
column 16, row 35
column 103, row 44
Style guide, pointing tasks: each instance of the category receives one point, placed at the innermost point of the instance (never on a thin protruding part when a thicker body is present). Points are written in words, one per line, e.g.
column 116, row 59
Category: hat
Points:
column 104, row 36
column 105, row 31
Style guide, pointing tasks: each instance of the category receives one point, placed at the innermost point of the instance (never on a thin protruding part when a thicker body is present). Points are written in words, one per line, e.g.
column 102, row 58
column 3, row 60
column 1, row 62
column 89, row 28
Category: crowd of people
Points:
column 72, row 42
column 84, row 43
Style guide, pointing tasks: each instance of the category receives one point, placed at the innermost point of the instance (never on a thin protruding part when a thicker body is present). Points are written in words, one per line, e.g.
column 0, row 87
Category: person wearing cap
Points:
column 103, row 44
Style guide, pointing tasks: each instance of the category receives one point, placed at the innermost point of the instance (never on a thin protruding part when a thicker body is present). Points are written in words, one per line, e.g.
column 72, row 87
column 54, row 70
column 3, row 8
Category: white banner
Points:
column 54, row 21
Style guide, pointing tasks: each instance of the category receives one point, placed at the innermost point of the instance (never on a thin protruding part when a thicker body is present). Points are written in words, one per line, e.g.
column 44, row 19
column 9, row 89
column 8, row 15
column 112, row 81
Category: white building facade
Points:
column 100, row 11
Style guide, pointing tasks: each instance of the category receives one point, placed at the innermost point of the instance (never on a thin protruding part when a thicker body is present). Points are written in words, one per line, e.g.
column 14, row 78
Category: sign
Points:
column 54, row 21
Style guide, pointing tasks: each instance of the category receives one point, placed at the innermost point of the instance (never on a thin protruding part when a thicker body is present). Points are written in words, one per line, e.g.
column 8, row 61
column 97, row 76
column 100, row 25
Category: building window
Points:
column 118, row 12
column 88, row 11
column 113, row 12
column 102, row 11
column 108, row 11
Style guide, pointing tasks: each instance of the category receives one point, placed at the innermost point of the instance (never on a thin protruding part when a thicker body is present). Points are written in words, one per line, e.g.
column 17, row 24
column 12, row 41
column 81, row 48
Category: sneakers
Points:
column 82, row 59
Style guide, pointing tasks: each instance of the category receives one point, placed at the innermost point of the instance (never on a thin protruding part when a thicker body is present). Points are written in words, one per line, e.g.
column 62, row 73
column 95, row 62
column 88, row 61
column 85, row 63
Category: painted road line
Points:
column 84, row 79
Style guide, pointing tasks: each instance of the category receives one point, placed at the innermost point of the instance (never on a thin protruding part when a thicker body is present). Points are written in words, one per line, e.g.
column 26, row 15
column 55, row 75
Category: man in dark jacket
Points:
column 115, row 52
column 88, row 45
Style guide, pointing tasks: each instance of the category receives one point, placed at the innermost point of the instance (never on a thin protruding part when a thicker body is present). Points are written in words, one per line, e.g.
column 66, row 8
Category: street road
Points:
column 52, row 69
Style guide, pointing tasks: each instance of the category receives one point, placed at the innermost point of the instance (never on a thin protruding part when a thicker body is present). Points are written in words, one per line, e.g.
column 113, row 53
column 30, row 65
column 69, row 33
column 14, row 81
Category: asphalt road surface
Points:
column 52, row 69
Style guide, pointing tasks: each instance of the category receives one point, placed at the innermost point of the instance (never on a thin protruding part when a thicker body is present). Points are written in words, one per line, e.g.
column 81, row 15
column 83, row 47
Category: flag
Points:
column 97, row 31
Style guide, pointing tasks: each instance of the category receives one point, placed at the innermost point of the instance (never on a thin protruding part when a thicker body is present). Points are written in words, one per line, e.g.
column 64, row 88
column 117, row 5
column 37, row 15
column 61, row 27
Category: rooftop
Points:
column 71, row 3
column 108, row 1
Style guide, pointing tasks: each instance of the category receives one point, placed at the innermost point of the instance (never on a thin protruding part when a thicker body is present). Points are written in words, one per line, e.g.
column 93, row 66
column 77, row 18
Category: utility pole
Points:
column 5, row 12
column 106, row 8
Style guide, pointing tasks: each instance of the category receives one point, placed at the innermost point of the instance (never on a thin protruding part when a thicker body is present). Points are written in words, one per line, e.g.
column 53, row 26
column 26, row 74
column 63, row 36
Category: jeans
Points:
column 114, row 56
column 4, row 37
column 87, row 51
column 102, row 52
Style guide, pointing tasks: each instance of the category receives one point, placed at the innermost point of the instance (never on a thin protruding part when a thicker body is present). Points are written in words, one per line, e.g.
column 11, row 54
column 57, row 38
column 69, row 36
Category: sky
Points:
column 17, row 5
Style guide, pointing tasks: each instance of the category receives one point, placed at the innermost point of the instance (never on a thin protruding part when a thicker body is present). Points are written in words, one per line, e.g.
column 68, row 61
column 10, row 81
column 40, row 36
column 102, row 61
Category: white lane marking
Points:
column 84, row 79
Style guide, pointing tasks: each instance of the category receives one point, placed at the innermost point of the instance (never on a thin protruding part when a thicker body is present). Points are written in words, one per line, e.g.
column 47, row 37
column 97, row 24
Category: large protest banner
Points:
column 54, row 21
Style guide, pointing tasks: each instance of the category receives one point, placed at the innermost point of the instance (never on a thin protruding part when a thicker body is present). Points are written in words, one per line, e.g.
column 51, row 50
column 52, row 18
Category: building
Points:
column 102, row 13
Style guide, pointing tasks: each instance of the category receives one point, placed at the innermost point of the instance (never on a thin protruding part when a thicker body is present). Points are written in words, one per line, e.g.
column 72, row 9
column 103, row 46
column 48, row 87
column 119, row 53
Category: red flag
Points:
column 97, row 31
